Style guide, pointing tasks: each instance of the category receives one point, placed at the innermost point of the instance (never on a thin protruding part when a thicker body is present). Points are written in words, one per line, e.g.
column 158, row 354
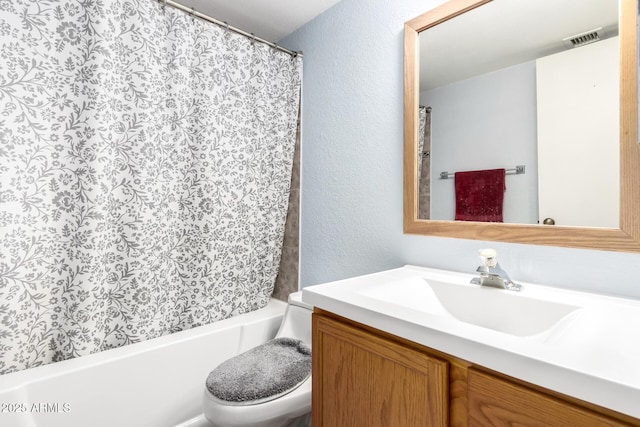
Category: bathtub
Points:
column 155, row 383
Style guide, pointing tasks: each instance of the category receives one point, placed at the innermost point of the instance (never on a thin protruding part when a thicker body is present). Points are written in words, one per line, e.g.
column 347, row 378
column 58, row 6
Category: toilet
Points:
column 288, row 407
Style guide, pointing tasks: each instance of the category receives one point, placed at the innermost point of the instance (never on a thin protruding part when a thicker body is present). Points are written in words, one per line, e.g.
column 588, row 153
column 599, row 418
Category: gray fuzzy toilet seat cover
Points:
column 261, row 374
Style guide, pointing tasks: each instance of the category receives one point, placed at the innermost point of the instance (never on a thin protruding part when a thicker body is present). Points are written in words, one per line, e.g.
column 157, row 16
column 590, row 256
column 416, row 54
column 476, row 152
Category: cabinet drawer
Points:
column 493, row 401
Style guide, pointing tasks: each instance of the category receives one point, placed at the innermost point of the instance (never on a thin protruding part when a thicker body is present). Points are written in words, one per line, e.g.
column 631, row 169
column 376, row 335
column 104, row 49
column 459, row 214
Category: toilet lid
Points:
column 261, row 374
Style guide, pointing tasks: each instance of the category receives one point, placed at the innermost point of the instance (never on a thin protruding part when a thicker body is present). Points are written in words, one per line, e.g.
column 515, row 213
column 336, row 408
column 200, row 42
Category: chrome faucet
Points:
column 491, row 274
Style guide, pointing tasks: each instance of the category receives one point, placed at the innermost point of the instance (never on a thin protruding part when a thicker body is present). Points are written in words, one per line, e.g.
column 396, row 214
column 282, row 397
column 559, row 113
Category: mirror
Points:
column 622, row 235
column 523, row 91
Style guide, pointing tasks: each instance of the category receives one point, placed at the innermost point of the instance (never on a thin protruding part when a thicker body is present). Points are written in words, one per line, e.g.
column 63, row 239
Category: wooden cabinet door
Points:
column 361, row 379
column 497, row 402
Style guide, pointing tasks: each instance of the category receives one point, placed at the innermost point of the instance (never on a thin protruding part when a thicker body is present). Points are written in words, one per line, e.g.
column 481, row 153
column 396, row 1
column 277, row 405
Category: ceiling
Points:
column 268, row 19
column 507, row 32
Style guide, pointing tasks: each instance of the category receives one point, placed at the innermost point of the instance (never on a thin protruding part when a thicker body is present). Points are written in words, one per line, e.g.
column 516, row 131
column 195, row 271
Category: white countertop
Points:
column 592, row 354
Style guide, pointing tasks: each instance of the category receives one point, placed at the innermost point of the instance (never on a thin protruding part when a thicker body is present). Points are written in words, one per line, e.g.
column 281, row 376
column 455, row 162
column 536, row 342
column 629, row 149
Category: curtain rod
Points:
column 223, row 24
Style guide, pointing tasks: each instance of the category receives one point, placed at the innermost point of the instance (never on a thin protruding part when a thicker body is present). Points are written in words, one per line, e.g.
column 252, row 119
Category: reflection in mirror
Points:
column 624, row 235
column 505, row 91
column 424, row 162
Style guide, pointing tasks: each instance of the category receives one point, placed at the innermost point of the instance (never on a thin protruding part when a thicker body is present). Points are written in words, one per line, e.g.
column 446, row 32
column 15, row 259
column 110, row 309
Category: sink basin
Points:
column 509, row 312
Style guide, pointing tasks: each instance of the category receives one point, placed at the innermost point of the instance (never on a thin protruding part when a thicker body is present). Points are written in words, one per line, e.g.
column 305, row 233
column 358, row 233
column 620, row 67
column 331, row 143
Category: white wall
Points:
column 351, row 189
column 486, row 122
column 580, row 86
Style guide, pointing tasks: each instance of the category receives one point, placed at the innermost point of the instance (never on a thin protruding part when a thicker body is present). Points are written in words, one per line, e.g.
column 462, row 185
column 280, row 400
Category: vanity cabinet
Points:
column 366, row 377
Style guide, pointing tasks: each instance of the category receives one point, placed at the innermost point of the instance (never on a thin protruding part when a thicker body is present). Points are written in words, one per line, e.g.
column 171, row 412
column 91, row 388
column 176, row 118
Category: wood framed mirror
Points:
column 626, row 237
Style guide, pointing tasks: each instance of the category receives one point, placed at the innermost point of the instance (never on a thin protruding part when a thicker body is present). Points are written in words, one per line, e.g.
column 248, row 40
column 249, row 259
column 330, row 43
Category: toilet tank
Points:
column 296, row 322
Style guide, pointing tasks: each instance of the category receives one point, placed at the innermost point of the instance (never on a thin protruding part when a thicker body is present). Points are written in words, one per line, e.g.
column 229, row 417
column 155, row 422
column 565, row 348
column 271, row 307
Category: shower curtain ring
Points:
column 164, row 5
column 253, row 38
column 193, row 13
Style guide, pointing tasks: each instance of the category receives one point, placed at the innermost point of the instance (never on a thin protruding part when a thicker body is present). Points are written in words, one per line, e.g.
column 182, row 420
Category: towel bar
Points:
column 518, row 170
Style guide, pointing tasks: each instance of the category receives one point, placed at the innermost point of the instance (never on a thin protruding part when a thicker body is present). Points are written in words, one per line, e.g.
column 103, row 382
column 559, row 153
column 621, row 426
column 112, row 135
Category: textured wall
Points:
column 351, row 184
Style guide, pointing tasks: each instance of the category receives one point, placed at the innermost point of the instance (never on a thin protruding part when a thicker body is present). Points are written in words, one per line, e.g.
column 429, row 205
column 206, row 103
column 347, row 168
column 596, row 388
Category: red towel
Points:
column 480, row 195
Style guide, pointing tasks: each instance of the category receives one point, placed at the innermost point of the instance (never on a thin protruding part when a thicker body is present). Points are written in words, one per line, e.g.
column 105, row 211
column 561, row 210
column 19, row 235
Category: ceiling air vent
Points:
column 583, row 38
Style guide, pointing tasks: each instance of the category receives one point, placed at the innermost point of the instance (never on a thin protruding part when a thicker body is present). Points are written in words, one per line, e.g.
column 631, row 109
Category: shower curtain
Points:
column 424, row 162
column 145, row 161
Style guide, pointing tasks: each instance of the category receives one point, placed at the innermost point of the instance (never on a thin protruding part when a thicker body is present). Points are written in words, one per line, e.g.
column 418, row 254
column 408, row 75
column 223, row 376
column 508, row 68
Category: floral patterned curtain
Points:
column 145, row 161
column 424, row 163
